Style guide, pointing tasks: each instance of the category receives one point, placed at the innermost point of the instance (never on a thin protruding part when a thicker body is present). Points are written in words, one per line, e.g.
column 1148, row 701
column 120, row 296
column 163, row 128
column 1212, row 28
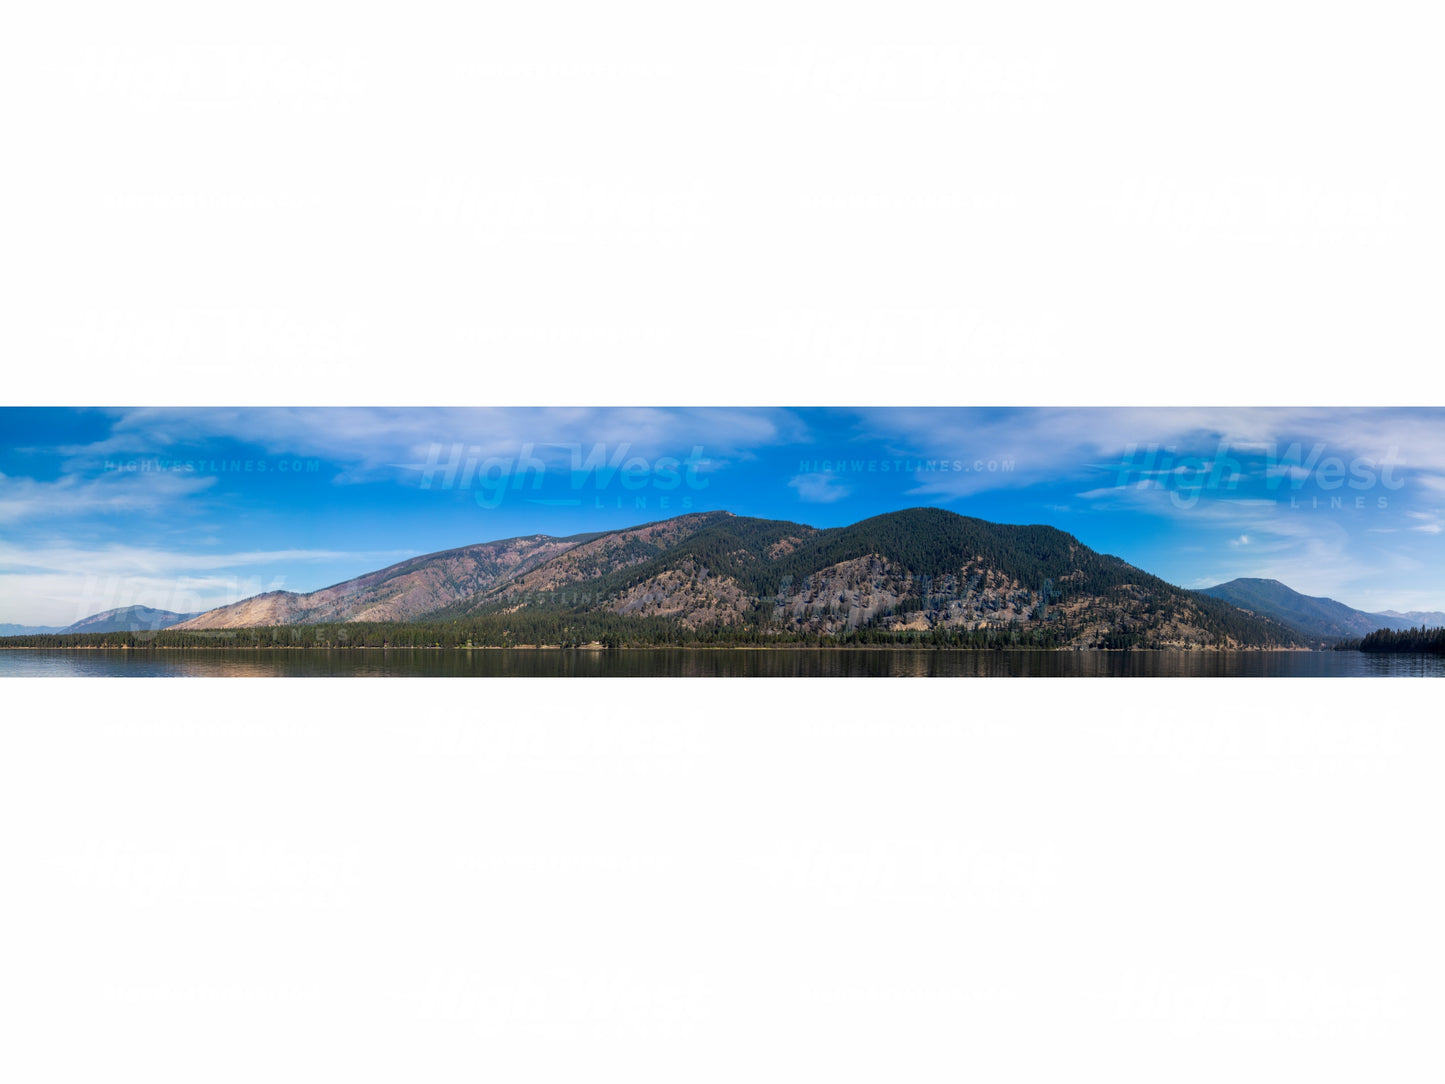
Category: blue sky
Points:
column 185, row 509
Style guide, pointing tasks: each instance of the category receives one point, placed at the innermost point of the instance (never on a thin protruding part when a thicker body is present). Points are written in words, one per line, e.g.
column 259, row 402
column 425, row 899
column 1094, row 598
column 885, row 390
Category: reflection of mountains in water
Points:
column 771, row 662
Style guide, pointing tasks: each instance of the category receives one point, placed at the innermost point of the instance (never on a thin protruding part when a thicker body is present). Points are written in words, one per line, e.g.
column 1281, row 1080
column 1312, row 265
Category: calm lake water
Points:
column 726, row 663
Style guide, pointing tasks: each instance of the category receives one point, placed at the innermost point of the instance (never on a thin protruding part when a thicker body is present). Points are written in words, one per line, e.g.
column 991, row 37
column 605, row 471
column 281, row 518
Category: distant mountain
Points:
column 923, row 572
column 124, row 619
column 1313, row 616
column 128, row 619
column 1415, row 618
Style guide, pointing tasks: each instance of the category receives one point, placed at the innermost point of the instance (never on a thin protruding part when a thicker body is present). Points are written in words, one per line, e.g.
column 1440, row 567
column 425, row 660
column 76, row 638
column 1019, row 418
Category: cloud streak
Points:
column 115, row 493
column 61, row 583
column 367, row 443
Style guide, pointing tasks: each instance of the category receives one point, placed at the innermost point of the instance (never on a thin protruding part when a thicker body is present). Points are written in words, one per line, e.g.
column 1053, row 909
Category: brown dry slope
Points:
column 397, row 593
column 457, row 579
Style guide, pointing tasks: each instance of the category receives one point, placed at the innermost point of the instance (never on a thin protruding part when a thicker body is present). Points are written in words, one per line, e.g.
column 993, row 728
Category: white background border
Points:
column 792, row 204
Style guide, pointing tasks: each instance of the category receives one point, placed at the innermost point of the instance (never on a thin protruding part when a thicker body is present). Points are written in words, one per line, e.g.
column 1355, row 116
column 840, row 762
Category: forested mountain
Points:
column 917, row 571
column 581, row 567
column 1311, row 616
column 8, row 629
column 924, row 575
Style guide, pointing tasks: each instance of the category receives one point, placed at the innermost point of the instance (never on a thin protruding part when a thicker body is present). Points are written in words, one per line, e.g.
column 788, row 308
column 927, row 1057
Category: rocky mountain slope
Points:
column 424, row 585
column 913, row 571
column 397, row 593
column 716, row 574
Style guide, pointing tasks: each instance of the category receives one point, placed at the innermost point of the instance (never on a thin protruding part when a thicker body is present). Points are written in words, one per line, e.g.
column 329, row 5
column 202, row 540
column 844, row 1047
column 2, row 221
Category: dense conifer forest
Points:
column 1404, row 641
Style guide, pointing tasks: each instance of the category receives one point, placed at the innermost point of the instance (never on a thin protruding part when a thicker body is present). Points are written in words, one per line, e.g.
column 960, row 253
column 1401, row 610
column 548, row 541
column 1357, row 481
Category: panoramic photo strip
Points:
column 708, row 541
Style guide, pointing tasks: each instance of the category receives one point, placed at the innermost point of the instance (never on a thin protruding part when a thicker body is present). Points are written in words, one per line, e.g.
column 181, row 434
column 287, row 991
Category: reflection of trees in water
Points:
column 678, row 662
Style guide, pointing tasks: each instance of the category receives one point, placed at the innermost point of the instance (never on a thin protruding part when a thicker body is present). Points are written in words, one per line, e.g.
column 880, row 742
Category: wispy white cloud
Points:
column 1430, row 521
column 364, row 443
column 1052, row 444
column 1262, row 538
column 58, row 583
column 124, row 559
column 116, row 492
column 819, row 488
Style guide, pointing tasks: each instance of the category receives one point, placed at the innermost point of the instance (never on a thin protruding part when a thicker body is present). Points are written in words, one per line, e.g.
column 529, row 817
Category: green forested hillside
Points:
column 934, row 556
column 923, row 576
column 1405, row 641
column 1312, row 616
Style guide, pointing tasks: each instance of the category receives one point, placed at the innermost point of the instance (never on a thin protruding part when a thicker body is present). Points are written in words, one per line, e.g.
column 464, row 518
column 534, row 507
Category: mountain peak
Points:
column 1309, row 614
column 129, row 619
column 720, row 577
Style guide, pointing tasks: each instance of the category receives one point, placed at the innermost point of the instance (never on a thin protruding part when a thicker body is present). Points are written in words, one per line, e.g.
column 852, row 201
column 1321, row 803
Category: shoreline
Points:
column 675, row 647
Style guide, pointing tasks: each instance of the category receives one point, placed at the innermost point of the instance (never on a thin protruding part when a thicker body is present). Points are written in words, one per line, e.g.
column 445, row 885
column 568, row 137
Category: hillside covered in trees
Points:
column 1405, row 641
column 921, row 577
column 922, row 571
